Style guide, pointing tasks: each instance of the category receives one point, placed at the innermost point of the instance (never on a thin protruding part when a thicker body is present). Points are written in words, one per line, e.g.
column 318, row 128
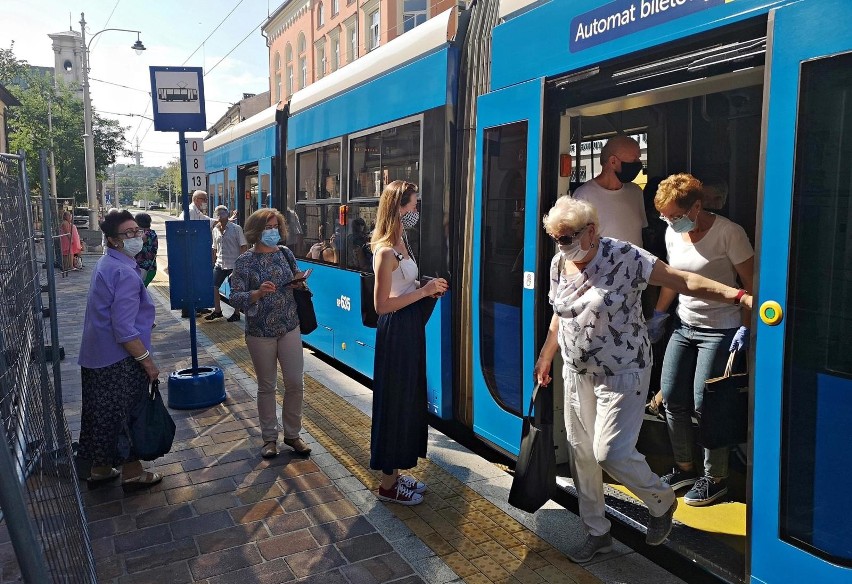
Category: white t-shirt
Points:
column 724, row 246
column 227, row 245
column 196, row 214
column 621, row 213
column 601, row 327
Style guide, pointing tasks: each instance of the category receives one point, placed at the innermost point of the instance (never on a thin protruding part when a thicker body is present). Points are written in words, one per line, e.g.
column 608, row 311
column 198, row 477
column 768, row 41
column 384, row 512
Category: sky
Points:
column 234, row 57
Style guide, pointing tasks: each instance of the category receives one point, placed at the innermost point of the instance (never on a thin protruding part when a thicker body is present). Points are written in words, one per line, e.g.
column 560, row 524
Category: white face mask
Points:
column 133, row 246
column 573, row 252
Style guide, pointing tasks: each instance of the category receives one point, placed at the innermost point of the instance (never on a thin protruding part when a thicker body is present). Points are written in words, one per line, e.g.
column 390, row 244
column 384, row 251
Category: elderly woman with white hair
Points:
column 595, row 289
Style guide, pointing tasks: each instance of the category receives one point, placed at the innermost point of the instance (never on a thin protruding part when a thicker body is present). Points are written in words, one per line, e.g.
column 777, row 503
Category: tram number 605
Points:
column 344, row 302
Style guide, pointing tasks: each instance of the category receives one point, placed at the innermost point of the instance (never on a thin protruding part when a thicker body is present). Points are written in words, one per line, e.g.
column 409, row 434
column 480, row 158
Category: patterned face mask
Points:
column 410, row 219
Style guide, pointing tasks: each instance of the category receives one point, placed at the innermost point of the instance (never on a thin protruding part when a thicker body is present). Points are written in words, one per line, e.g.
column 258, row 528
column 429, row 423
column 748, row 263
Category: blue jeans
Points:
column 693, row 355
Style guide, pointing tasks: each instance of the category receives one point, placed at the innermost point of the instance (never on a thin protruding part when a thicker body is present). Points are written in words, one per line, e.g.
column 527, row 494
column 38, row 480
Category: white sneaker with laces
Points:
column 409, row 482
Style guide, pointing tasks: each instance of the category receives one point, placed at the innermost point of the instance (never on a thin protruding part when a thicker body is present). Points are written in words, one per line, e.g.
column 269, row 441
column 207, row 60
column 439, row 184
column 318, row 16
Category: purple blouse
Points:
column 118, row 310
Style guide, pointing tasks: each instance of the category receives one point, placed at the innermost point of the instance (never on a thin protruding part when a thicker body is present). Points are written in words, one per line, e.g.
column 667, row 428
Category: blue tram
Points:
column 496, row 111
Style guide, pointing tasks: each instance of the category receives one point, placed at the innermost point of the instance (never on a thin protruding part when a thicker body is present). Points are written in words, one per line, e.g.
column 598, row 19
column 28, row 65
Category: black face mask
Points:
column 629, row 171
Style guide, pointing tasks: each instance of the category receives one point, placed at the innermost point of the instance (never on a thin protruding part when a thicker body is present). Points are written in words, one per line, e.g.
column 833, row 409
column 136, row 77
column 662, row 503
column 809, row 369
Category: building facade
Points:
column 308, row 39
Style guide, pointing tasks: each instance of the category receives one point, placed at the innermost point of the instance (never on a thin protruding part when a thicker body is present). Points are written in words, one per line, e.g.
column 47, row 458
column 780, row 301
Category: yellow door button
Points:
column 771, row 313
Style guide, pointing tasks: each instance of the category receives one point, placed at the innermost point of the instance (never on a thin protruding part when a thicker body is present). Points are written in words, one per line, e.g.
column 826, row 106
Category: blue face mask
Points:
column 270, row 237
column 682, row 224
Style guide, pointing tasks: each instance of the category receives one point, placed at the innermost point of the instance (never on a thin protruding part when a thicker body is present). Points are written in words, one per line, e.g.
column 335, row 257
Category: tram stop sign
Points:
column 178, row 97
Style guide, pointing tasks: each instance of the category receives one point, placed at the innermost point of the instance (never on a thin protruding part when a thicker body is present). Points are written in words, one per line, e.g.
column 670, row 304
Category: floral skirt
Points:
column 109, row 393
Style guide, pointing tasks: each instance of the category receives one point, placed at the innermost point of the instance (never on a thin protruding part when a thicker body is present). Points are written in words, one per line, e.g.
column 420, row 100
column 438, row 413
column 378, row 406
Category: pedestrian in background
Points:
column 229, row 243
column 115, row 360
column 198, row 212
column 146, row 259
column 261, row 286
column 706, row 331
column 399, row 427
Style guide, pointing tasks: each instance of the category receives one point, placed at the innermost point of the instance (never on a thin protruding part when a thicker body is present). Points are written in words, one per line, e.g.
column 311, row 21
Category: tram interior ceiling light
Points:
column 693, row 61
column 575, row 77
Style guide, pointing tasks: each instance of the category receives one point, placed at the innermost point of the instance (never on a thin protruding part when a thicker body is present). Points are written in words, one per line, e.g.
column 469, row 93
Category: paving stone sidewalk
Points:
column 222, row 513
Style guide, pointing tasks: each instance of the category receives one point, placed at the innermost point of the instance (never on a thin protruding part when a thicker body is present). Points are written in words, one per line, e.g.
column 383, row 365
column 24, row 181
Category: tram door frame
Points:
column 519, row 103
column 798, row 33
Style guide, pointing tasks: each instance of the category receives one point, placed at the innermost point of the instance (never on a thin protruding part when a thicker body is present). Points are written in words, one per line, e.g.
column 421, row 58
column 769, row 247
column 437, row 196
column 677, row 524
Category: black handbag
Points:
column 305, row 310
column 150, row 428
column 369, row 316
column 723, row 419
column 535, row 471
column 304, row 302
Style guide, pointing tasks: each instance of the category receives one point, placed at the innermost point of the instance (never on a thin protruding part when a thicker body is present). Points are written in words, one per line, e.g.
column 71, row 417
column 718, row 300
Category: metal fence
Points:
column 42, row 510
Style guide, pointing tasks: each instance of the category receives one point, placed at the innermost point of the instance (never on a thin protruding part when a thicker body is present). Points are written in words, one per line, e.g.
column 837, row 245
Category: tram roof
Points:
column 508, row 7
column 429, row 36
column 260, row 120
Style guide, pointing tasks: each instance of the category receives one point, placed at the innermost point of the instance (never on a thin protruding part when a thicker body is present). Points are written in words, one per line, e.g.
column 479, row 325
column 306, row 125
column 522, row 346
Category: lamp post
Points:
column 88, row 136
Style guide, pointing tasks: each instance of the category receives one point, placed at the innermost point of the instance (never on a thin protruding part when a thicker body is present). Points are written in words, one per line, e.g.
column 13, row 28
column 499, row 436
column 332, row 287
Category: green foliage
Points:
column 50, row 117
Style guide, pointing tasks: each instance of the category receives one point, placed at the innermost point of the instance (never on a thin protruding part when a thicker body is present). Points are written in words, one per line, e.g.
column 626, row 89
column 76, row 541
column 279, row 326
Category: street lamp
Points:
column 88, row 136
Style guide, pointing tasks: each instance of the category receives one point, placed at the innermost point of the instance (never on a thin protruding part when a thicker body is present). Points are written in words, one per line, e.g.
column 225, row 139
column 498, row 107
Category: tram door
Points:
column 802, row 460
column 505, row 230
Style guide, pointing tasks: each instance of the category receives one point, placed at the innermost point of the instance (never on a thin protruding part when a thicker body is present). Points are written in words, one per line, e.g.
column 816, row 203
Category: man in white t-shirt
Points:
column 229, row 242
column 619, row 202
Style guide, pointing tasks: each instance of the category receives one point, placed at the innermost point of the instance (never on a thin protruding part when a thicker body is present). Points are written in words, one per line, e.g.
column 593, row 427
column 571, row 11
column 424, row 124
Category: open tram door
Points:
column 506, row 229
column 802, row 399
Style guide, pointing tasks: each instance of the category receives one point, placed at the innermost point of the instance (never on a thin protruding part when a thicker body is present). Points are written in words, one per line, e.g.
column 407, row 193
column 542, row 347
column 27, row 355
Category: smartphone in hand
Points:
column 301, row 278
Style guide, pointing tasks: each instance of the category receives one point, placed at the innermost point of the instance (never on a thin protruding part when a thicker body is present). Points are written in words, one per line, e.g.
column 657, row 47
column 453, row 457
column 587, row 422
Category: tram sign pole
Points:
column 178, row 99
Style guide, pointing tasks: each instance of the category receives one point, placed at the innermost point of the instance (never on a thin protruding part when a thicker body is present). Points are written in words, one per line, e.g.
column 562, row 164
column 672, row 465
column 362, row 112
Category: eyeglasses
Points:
column 131, row 233
column 569, row 239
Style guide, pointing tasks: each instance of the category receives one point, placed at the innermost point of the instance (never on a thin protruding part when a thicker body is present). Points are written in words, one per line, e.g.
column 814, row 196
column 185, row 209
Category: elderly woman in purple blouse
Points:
column 115, row 353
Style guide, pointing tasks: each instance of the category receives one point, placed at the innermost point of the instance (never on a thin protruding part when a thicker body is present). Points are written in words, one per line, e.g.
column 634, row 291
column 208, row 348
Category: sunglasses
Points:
column 569, row 239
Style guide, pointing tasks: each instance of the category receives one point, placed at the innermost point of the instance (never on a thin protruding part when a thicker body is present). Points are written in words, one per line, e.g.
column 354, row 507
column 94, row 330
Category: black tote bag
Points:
column 535, row 471
column 150, row 426
column 724, row 409
column 304, row 301
column 369, row 316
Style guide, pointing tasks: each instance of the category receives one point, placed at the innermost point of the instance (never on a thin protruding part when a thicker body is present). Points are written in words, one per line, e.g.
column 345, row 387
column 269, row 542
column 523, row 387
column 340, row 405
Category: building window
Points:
column 320, row 15
column 335, row 7
column 321, row 62
column 375, row 30
column 303, row 63
column 288, row 59
column 414, row 13
column 353, row 45
column 277, row 76
column 335, row 54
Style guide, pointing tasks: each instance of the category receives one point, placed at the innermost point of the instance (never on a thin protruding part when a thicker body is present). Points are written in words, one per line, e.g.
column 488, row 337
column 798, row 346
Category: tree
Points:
column 50, row 117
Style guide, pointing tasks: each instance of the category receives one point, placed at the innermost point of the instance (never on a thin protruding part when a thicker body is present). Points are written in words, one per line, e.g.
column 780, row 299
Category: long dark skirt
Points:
column 399, row 428
column 108, row 395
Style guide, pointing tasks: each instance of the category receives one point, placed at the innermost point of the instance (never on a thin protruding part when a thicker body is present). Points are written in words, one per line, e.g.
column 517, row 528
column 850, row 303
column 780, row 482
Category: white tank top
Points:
column 404, row 277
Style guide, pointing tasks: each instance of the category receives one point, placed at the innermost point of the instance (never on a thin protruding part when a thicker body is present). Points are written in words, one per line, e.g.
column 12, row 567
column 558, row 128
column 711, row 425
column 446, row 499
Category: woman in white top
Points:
column 398, row 434
column 706, row 332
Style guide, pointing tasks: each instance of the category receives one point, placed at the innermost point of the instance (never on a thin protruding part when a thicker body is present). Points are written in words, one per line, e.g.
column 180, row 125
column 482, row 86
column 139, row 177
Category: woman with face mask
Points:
column 398, row 434
column 595, row 289
column 706, row 331
column 262, row 288
column 115, row 353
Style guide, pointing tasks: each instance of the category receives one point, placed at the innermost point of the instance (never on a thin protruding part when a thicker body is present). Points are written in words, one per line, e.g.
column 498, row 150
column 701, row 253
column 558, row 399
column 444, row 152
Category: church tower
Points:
column 68, row 58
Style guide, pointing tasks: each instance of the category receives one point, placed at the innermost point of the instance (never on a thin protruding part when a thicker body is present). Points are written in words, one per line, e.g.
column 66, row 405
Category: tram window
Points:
column 318, row 173
column 321, row 232
column 355, row 250
column 504, row 193
column 816, row 461
column 382, row 157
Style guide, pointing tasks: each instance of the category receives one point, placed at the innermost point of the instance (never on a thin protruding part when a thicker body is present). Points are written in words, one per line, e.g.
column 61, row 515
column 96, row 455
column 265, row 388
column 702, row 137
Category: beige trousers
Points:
column 266, row 353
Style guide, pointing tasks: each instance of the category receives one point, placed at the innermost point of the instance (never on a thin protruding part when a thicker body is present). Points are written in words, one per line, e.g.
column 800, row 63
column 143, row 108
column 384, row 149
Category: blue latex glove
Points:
column 656, row 325
column 740, row 340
